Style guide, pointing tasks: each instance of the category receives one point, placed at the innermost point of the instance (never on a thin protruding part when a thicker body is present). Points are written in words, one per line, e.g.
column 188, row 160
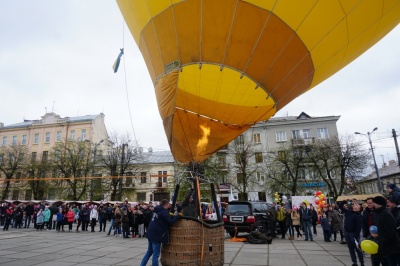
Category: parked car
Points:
column 245, row 216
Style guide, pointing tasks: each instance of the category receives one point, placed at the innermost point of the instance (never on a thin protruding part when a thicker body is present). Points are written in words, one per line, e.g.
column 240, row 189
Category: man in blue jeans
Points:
column 305, row 219
column 158, row 231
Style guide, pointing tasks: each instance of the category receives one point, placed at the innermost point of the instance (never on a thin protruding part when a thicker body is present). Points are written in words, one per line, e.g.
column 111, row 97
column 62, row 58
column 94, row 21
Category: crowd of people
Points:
column 124, row 220
column 377, row 219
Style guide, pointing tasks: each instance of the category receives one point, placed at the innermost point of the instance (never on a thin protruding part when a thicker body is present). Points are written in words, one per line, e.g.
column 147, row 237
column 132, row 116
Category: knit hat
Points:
column 379, row 200
column 373, row 229
column 391, row 186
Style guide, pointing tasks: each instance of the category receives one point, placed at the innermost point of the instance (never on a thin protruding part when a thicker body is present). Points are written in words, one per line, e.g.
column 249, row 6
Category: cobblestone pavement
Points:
column 49, row 248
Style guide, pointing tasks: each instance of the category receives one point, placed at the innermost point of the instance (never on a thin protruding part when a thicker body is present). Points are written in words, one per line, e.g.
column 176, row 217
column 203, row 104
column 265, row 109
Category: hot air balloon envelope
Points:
column 218, row 67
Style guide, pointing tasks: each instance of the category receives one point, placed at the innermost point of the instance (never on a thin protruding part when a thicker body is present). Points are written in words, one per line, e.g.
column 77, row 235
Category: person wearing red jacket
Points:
column 70, row 218
column 9, row 215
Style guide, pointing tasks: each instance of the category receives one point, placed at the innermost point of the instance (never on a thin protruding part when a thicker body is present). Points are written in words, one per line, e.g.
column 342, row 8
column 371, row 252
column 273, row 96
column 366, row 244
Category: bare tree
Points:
column 242, row 173
column 285, row 168
column 37, row 168
column 118, row 160
column 12, row 159
column 338, row 161
column 73, row 160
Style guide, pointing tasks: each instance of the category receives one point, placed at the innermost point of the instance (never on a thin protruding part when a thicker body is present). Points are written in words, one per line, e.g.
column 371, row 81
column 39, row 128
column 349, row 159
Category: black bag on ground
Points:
column 257, row 238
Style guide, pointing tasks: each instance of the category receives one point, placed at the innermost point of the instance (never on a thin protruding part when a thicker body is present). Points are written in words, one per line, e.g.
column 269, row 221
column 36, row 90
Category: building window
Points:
column 257, row 138
column 4, row 142
column 281, row 136
column 322, row 133
column 21, row 157
column 28, row 194
column 239, row 140
column 36, row 139
column 258, row 157
column 17, row 176
column 143, row 177
column 72, row 135
column 33, row 156
column 260, row 178
column 282, row 155
column 15, row 194
column 296, row 134
column 141, row 196
column 57, row 155
column 306, row 134
column 222, row 162
column 47, row 140
column 83, row 135
column 23, row 142
column 45, row 156
column 162, row 176
column 237, row 158
column 14, row 140
column 239, row 177
column 58, row 136
column 51, row 194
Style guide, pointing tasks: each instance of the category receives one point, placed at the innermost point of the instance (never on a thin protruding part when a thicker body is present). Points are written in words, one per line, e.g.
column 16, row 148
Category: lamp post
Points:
column 368, row 135
column 94, row 163
column 121, row 172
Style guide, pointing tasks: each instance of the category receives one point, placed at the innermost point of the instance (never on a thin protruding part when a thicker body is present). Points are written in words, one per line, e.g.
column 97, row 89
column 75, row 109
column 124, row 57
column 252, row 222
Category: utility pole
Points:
column 397, row 146
column 368, row 135
column 121, row 172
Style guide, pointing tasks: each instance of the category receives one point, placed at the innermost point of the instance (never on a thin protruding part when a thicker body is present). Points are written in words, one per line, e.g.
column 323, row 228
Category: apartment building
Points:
column 154, row 177
column 39, row 136
column 270, row 136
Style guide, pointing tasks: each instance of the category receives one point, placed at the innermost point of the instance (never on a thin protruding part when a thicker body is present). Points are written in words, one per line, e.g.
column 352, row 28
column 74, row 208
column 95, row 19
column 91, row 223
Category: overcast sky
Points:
column 58, row 56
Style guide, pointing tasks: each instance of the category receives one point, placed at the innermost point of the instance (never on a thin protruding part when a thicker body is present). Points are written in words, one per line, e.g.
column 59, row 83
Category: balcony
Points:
column 303, row 141
column 161, row 185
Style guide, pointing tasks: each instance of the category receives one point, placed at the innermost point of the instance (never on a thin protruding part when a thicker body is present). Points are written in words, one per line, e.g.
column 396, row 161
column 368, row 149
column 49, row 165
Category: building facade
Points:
column 152, row 177
column 388, row 173
column 269, row 137
column 37, row 138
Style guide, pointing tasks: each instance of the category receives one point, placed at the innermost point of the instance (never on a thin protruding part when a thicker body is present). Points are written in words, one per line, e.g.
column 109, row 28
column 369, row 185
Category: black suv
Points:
column 241, row 216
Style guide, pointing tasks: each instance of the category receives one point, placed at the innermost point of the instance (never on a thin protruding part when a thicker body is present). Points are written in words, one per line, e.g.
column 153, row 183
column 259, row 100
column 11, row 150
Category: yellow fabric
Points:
column 207, row 57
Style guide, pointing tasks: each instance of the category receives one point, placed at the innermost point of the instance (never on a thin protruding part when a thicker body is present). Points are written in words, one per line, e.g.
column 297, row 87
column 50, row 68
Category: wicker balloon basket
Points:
column 194, row 243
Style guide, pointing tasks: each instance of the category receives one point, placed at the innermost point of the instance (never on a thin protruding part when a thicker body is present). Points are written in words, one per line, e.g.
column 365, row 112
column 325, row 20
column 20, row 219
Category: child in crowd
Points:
column 377, row 259
column 326, row 226
column 125, row 224
column 60, row 217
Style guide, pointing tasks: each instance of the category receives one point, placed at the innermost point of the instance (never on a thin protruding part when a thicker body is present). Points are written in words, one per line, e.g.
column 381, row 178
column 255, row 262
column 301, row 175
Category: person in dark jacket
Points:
column 306, row 220
column 352, row 230
column 125, row 224
column 326, row 228
column 102, row 217
column 158, row 231
column 395, row 209
column 394, row 192
column 369, row 218
column 314, row 219
column 28, row 214
column 389, row 241
column 377, row 259
column 188, row 206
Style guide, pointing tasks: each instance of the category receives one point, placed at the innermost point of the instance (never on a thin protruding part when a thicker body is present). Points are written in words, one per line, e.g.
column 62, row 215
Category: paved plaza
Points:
column 48, row 248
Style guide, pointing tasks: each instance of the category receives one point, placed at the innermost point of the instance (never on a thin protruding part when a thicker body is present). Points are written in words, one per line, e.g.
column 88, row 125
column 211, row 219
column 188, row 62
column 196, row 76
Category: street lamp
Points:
column 121, row 172
column 368, row 135
column 94, row 162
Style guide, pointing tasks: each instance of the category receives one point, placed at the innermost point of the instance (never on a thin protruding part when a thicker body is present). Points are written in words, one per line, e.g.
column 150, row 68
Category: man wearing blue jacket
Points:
column 158, row 231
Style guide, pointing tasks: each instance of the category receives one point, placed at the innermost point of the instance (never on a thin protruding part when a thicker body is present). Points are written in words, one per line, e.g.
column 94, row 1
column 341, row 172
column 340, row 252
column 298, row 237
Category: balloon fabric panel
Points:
column 220, row 66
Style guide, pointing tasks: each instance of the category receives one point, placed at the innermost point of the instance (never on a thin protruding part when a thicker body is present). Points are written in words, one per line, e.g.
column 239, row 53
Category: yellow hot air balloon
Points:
column 219, row 66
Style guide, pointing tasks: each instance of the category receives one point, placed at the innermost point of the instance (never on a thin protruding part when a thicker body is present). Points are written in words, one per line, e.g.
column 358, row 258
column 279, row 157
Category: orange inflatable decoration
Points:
column 219, row 66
